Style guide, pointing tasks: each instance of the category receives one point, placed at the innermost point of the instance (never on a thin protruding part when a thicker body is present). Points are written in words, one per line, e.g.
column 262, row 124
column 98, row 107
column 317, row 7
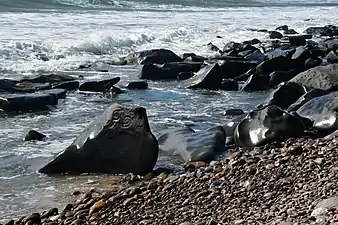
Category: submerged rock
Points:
column 267, row 125
column 193, row 146
column 99, row 86
column 119, row 141
column 137, row 85
column 34, row 135
column 51, row 78
column 24, row 102
column 68, row 85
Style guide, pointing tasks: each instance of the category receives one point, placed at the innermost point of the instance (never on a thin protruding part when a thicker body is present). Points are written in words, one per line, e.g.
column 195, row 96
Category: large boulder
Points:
column 208, row 77
column 119, row 141
column 157, row 56
column 193, row 146
column 29, row 101
column 280, row 63
column 256, row 83
column 278, row 77
column 321, row 77
column 267, row 125
column 322, row 111
column 99, row 86
column 285, row 95
column 68, row 85
column 313, row 93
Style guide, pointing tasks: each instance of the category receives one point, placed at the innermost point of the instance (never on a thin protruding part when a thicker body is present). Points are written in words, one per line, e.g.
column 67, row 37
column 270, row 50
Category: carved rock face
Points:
column 119, row 141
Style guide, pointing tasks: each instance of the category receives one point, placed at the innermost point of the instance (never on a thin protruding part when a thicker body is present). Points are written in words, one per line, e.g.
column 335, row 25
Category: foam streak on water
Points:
column 73, row 32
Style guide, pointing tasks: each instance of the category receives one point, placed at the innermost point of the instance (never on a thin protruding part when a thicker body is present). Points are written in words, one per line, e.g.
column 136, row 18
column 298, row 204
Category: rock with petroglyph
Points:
column 119, row 141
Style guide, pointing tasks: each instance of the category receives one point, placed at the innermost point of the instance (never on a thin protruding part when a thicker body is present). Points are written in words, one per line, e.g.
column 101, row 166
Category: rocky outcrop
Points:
column 193, row 146
column 119, row 141
column 208, row 77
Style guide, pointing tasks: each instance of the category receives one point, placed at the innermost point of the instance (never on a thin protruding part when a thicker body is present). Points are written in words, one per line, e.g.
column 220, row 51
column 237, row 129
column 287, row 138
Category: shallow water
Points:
column 74, row 32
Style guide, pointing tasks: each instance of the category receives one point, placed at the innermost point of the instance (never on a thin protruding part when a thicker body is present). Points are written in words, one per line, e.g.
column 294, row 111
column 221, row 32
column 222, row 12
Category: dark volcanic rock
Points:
column 332, row 44
column 302, row 53
column 99, row 86
column 24, row 102
column 283, row 27
column 280, row 63
column 278, row 77
column 168, row 71
column 296, row 40
column 119, row 141
column 234, row 112
column 256, row 83
column 137, row 85
column 290, row 31
column 213, row 47
column 285, row 95
column 322, row 111
column 229, row 85
column 52, row 78
column 185, row 75
column 320, row 77
column 7, row 85
column 256, row 56
column 191, row 146
column 230, row 127
column 157, row 56
column 59, row 93
column 275, row 35
column 312, row 62
column 267, row 125
column 305, row 98
column 68, row 85
column 284, row 50
column 332, row 57
column 34, row 135
column 208, row 77
column 322, row 31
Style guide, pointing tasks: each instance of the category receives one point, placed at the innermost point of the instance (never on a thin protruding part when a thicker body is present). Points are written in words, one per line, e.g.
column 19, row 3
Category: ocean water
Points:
column 74, row 32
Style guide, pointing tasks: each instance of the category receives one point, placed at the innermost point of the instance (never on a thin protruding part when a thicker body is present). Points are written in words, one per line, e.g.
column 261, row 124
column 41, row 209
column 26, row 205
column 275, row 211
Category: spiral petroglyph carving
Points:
column 120, row 119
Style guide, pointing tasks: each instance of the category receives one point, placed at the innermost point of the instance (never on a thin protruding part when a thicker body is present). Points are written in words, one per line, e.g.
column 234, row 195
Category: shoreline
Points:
column 280, row 183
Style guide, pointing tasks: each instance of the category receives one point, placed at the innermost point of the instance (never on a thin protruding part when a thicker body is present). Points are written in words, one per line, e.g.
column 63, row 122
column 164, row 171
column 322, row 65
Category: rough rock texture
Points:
column 193, row 146
column 321, row 77
column 119, row 141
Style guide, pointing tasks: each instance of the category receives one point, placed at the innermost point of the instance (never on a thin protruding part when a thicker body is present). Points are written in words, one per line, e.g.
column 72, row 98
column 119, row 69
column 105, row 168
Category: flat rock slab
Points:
column 28, row 101
column 321, row 77
column 208, row 77
column 118, row 141
column 267, row 125
column 193, row 146
column 322, row 111
column 99, row 86
column 51, row 78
